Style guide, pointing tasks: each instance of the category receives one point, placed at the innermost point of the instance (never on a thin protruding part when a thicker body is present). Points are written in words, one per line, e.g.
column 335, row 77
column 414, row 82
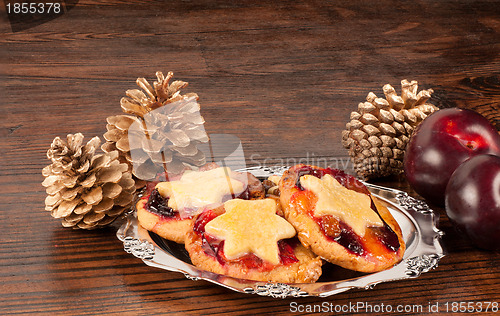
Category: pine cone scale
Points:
column 105, row 205
column 111, row 190
column 93, row 217
column 65, row 208
column 89, row 181
column 82, row 209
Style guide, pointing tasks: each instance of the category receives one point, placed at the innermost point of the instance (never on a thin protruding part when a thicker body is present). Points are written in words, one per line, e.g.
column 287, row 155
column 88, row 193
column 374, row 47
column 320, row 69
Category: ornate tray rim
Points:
column 423, row 255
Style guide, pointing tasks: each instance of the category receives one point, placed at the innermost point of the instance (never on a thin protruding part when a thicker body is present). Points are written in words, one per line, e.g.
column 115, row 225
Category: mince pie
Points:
column 338, row 219
column 248, row 239
column 168, row 208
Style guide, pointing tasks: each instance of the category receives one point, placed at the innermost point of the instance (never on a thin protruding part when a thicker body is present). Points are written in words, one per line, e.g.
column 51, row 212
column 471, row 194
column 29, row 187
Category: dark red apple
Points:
column 473, row 200
column 442, row 142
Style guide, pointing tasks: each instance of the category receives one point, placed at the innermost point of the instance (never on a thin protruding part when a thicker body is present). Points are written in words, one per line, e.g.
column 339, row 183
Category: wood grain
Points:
column 282, row 76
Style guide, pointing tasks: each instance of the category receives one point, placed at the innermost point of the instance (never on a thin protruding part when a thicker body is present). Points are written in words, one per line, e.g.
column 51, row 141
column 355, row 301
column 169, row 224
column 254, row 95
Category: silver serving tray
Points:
column 417, row 221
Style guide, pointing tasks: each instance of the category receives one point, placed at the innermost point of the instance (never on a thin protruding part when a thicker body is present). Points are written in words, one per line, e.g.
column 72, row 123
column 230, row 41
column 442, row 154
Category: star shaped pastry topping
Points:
column 352, row 207
column 200, row 188
column 251, row 226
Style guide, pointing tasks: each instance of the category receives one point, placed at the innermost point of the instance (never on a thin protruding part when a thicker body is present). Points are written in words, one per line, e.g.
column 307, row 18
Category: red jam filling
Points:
column 343, row 178
column 385, row 234
column 215, row 247
column 339, row 231
column 158, row 204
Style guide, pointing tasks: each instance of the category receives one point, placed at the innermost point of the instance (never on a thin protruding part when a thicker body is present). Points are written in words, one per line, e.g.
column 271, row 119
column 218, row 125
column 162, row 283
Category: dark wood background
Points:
column 283, row 76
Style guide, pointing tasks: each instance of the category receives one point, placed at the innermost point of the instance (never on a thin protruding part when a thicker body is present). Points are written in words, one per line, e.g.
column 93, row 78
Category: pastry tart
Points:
column 247, row 239
column 338, row 219
column 168, row 208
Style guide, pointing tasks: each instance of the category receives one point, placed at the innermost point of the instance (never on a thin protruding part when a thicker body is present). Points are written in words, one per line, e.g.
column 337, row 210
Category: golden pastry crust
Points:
column 368, row 254
column 304, row 268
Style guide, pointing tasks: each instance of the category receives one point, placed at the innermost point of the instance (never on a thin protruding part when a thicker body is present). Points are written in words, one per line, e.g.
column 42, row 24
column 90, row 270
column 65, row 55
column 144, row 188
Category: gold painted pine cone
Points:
column 165, row 128
column 86, row 190
column 378, row 132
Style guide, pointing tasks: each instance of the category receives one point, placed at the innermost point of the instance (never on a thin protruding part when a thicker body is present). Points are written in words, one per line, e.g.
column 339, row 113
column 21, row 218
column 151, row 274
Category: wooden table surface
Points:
column 282, row 76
